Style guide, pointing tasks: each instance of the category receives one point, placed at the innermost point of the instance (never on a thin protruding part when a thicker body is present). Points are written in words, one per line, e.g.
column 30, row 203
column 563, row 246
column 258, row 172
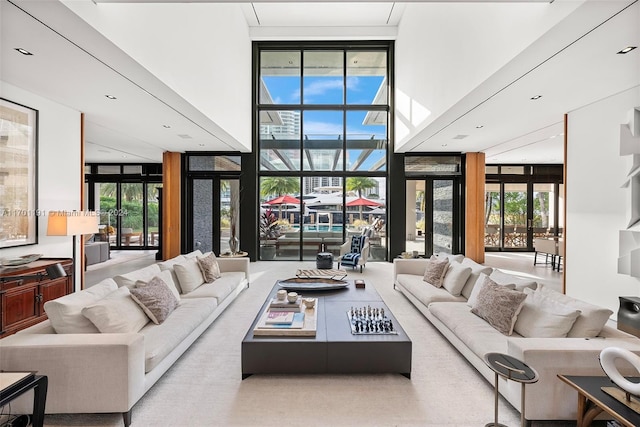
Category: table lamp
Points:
column 75, row 223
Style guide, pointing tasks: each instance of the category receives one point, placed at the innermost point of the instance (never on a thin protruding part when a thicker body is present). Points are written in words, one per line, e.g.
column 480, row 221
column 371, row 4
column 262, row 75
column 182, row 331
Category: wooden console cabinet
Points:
column 22, row 300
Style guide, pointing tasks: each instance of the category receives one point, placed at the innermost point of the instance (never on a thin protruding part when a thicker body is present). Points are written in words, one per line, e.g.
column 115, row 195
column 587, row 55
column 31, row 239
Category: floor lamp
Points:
column 76, row 223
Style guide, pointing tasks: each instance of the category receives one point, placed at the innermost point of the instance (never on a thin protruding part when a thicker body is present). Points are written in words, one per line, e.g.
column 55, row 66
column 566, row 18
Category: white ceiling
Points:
column 70, row 56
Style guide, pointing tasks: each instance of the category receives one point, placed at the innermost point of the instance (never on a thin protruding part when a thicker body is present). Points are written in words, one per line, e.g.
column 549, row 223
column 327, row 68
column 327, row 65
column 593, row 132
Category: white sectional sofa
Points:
column 473, row 337
column 94, row 372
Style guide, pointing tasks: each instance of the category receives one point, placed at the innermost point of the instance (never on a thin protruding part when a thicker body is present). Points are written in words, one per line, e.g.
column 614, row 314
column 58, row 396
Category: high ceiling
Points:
column 70, row 56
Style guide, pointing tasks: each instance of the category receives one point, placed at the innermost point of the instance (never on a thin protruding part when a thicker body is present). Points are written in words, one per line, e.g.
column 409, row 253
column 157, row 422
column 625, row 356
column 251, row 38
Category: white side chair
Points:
column 354, row 252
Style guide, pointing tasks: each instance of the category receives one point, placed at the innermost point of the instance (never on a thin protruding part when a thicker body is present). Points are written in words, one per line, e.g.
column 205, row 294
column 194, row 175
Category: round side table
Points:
column 236, row 255
column 512, row 369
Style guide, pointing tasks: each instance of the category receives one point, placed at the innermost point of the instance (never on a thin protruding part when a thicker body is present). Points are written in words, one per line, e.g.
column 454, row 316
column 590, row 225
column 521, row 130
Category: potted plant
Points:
column 269, row 233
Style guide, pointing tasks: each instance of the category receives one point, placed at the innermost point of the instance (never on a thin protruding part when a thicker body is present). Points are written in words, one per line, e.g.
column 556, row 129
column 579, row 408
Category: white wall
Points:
column 597, row 206
column 58, row 168
column 445, row 50
column 200, row 50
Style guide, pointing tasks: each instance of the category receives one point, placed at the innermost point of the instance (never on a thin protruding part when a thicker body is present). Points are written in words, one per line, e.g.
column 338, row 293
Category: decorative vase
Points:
column 233, row 245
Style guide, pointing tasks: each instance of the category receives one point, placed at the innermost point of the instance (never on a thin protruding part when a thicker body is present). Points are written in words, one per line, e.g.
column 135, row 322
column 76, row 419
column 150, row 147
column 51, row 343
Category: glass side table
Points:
column 512, row 369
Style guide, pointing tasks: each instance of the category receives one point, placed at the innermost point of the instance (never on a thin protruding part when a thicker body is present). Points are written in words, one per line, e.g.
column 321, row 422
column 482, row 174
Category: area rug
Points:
column 204, row 387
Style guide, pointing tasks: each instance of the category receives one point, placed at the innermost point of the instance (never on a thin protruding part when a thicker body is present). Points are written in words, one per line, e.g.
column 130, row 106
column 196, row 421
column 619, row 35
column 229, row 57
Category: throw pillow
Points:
column 65, row 313
column 455, row 278
column 129, row 279
column 503, row 278
column 167, row 278
column 478, row 286
column 209, row 266
column 591, row 319
column 116, row 313
column 189, row 275
column 499, row 306
column 155, row 299
column 476, row 269
column 435, row 271
column 542, row 317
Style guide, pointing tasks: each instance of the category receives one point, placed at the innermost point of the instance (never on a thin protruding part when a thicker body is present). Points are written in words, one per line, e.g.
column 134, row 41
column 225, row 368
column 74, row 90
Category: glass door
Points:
column 213, row 214
column 430, row 219
column 516, row 221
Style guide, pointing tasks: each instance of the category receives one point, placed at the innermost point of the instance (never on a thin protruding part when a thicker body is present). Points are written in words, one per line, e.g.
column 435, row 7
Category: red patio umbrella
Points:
column 361, row 201
column 281, row 200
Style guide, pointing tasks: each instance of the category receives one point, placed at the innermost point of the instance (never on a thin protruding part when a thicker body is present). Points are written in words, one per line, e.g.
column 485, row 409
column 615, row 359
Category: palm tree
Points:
column 360, row 183
column 279, row 186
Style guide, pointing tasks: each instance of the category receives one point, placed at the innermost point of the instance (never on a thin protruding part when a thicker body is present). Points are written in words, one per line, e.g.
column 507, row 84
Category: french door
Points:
column 518, row 212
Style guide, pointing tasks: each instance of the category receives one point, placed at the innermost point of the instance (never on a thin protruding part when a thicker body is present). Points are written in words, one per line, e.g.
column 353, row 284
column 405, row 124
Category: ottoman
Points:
column 324, row 261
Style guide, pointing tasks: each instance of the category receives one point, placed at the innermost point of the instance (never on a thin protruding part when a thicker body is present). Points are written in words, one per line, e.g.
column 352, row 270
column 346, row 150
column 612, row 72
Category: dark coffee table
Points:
column 334, row 349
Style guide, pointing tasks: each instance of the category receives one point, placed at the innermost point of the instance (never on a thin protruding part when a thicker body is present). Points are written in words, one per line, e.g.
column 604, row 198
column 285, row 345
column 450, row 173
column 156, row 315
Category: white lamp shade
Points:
column 72, row 223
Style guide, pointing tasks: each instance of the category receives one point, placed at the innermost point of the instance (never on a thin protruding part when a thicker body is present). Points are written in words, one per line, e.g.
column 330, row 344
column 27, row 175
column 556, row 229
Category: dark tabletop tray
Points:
column 311, row 284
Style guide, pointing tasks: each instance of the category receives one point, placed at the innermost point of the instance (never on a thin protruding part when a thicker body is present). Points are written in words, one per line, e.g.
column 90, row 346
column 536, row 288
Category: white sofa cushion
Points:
column 221, row 288
column 455, row 278
column 414, row 284
column 65, row 313
column 160, row 340
column 193, row 254
column 189, row 275
column 116, row 313
column 435, row 270
column 503, row 278
column 476, row 269
column 129, row 279
column 478, row 286
column 499, row 306
column 168, row 266
column 167, row 277
column 591, row 319
column 450, row 257
column 543, row 317
column 477, row 334
column 155, row 299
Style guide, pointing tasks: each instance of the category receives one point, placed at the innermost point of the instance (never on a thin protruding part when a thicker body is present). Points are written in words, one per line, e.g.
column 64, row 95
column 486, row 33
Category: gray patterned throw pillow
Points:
column 155, row 299
column 435, row 271
column 209, row 267
column 499, row 306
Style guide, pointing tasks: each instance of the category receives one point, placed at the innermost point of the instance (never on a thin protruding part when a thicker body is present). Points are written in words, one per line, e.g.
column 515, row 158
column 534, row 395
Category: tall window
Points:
column 322, row 112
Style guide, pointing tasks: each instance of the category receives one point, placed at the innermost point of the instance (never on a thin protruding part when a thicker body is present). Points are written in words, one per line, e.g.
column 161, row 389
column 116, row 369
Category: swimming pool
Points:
column 321, row 227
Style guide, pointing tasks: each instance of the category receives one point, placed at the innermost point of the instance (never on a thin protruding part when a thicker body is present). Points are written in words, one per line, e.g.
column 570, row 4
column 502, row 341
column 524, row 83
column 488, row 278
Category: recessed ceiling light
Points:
column 26, row 52
column 201, row 145
column 627, row 50
column 124, row 155
column 111, row 97
column 166, row 126
column 444, row 145
column 533, row 98
column 479, row 126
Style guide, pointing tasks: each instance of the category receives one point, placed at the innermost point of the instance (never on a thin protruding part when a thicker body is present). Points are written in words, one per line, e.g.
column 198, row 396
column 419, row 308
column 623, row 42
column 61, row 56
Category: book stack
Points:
column 280, row 305
column 283, row 318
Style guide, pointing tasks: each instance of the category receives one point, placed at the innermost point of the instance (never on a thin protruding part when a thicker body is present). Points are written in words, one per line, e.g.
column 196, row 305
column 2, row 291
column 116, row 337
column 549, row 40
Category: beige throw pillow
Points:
column 155, row 299
column 209, row 267
column 542, row 317
column 455, row 278
column 499, row 306
column 116, row 313
column 65, row 313
column 435, row 271
column 189, row 275
column 591, row 319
